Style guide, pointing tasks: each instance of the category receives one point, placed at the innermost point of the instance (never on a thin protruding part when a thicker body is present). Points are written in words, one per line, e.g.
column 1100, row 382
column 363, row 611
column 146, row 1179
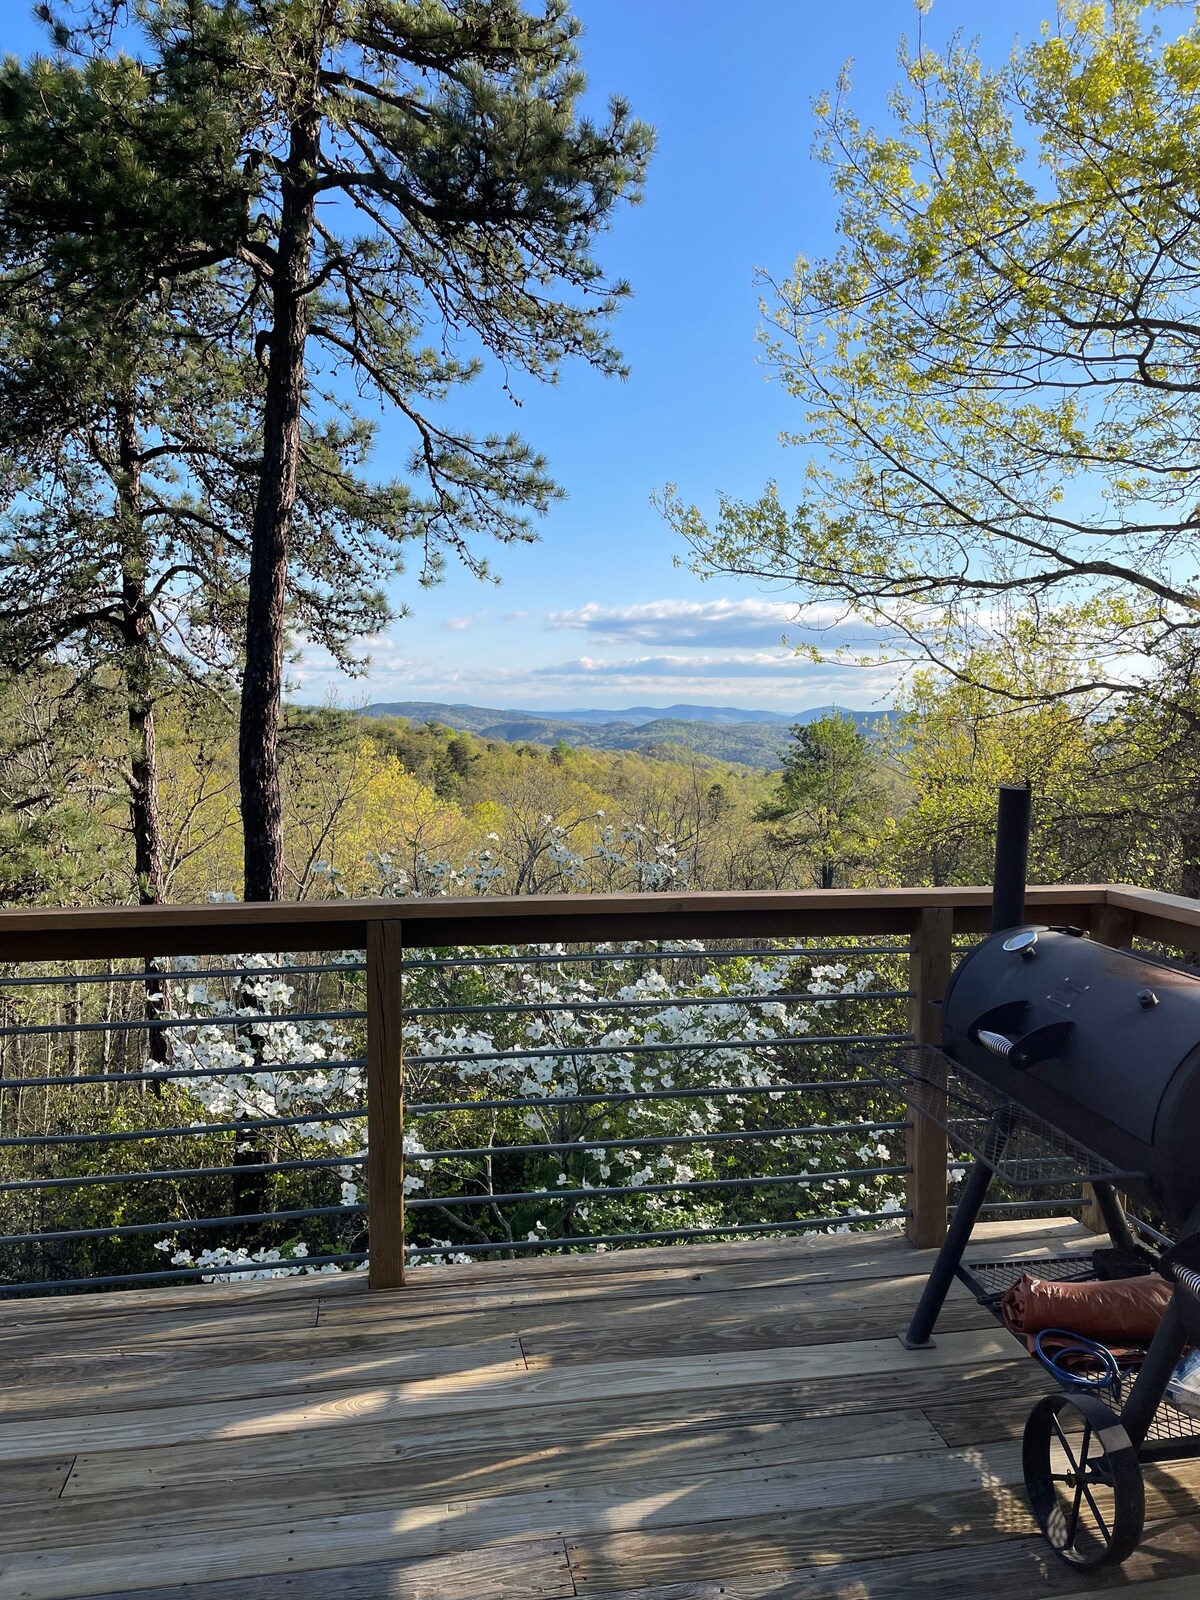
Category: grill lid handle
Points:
column 1039, row 1044
column 997, row 1043
column 1006, row 1031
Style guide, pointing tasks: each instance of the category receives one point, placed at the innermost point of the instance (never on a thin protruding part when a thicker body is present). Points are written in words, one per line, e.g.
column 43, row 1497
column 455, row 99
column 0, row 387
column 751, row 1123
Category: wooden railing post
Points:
column 385, row 1105
column 1112, row 925
column 929, row 973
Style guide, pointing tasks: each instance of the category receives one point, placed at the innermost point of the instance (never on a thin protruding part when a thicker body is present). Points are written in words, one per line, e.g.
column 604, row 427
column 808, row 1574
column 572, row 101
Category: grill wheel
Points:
column 1083, row 1480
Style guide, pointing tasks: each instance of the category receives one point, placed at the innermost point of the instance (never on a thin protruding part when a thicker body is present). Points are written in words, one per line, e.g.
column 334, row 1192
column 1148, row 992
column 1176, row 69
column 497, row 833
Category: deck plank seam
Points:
column 941, row 1435
column 628, row 1292
column 570, row 1569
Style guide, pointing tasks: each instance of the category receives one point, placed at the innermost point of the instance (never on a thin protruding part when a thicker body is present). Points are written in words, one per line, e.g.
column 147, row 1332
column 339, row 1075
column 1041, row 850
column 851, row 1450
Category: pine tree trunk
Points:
column 138, row 666
column 143, row 796
column 140, row 703
column 262, row 682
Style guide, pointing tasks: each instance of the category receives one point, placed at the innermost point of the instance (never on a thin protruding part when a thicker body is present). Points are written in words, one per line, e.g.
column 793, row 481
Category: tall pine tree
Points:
column 131, row 406
column 112, row 411
column 426, row 183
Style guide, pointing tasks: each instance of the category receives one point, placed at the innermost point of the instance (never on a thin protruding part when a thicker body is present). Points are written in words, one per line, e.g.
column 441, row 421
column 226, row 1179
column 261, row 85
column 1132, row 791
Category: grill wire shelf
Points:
column 981, row 1122
column 1025, row 1151
column 988, row 1280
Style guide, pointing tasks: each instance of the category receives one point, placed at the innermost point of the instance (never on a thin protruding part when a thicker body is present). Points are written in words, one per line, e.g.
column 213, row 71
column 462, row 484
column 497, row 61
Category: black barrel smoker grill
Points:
column 1064, row 1061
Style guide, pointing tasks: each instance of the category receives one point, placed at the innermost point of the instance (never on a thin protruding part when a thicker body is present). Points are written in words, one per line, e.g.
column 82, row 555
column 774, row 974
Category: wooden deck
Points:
column 685, row 1424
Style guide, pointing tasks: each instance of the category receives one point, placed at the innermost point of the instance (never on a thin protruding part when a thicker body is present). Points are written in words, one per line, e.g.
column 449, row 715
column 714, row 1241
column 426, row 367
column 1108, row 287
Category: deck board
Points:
column 703, row 1423
column 549, row 1440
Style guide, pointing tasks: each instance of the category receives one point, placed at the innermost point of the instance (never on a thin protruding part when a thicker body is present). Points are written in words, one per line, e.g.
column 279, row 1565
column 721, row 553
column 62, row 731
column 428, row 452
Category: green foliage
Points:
column 997, row 375
column 63, row 837
column 548, row 1022
column 329, row 202
column 997, row 365
column 114, row 182
column 830, row 800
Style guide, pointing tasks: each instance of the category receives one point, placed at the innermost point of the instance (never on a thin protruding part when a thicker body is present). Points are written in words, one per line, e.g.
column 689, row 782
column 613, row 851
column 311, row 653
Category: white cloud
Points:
column 758, row 663
column 773, row 679
column 698, row 622
column 757, row 678
column 461, row 624
column 780, row 671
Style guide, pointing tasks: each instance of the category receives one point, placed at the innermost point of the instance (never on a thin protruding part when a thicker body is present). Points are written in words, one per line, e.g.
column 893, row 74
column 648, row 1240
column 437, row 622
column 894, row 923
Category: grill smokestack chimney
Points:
column 1012, row 855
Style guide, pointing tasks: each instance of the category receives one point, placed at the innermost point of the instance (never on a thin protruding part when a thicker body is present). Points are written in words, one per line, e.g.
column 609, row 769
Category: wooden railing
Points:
column 929, row 918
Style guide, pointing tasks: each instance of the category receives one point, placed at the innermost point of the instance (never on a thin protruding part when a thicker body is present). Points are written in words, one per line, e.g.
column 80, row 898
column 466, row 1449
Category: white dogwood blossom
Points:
column 639, row 1092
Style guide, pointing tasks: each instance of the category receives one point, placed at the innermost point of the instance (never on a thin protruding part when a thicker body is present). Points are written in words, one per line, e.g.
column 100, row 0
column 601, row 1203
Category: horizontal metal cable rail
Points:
column 658, row 1047
column 253, row 1075
column 170, row 1074
column 659, row 1141
column 358, row 1157
column 792, row 952
column 420, row 963
column 589, row 1241
column 619, row 1096
column 84, row 1180
column 182, row 1274
column 224, row 1019
column 147, row 976
column 662, row 1003
column 128, row 1230
column 692, row 1186
column 235, row 1019
column 194, row 1129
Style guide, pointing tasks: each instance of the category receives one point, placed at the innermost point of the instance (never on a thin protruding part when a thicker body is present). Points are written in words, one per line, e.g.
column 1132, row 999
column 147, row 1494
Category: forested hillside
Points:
column 387, row 805
column 723, row 732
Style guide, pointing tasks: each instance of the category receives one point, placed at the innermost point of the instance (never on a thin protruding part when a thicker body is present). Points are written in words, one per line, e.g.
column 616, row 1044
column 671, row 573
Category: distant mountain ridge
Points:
column 681, row 713
column 726, row 733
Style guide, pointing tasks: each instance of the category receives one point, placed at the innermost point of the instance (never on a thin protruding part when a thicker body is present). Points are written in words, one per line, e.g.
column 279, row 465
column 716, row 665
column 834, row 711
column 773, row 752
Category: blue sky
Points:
column 596, row 613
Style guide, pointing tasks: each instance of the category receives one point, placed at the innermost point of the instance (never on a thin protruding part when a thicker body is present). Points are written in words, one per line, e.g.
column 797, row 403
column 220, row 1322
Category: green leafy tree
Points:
column 998, row 366
column 427, row 197
column 130, row 416
column 956, row 740
column 830, row 799
column 103, row 392
column 60, row 805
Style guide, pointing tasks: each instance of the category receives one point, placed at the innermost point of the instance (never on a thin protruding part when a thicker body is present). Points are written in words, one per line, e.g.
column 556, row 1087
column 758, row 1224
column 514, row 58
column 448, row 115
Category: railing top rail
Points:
column 98, row 932
column 1170, row 918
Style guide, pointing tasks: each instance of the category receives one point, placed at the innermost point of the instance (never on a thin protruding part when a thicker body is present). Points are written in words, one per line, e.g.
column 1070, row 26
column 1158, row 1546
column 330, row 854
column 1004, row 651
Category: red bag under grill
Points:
column 1118, row 1311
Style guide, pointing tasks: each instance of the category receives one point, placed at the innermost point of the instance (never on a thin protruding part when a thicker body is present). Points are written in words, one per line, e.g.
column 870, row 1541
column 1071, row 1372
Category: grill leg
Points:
column 937, row 1287
column 1115, row 1221
column 1150, row 1385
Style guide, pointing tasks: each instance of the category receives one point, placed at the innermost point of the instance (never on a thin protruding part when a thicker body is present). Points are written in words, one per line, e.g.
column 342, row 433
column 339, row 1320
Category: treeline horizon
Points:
column 385, row 806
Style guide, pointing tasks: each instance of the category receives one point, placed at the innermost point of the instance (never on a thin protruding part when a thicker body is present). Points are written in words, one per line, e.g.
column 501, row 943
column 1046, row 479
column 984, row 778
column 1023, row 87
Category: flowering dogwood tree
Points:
column 557, row 1097
column 573, row 1095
